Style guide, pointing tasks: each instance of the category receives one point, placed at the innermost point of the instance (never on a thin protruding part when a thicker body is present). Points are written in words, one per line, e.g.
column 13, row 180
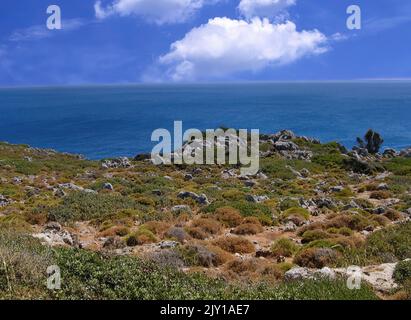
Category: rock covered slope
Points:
column 312, row 209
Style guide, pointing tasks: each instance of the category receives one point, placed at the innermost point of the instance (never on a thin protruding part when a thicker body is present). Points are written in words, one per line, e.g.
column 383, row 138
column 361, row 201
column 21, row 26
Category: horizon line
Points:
column 124, row 84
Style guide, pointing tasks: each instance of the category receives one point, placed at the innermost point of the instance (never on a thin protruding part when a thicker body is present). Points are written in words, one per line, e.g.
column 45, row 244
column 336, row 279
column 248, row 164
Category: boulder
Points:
column 59, row 192
column 181, row 209
column 250, row 183
column 261, row 176
column 4, row 201
column 74, row 187
column 337, row 189
column 325, row 203
column 305, row 173
column 298, row 273
column 168, row 244
column 52, row 226
column 188, row 177
column 256, row 199
column 383, row 186
column 201, row 199
column 379, row 210
column 283, row 135
column 390, row 153
column 285, row 146
column 157, row 192
column 122, row 162
column 289, row 227
column 406, row 153
column 54, row 236
column 108, row 186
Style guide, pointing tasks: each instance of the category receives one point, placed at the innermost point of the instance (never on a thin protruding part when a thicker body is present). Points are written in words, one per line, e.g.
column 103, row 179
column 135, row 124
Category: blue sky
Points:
column 129, row 41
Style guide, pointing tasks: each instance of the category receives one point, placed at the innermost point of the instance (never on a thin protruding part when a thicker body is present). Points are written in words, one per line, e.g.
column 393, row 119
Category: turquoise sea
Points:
column 110, row 121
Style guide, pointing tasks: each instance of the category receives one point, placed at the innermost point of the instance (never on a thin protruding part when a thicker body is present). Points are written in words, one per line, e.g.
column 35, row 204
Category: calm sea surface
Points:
column 110, row 121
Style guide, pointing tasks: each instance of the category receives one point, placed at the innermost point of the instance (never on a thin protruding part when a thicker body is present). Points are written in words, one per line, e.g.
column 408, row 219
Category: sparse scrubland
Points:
column 126, row 229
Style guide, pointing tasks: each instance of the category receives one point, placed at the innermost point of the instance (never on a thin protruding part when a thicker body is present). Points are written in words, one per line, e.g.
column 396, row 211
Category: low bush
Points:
column 157, row 227
column 177, row 233
column 390, row 244
column 230, row 217
column 115, row 231
column 248, row 228
column 203, row 255
column 235, row 244
column 402, row 272
column 83, row 206
column 297, row 212
column 380, row 195
column 316, row 257
column 284, row 247
column 196, row 233
column 313, row 235
column 207, row 225
column 89, row 275
column 140, row 237
column 288, row 203
column 24, row 262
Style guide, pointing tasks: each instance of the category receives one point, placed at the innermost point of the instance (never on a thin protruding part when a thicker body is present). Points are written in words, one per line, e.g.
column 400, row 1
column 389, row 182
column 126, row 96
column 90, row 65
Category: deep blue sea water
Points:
column 110, row 121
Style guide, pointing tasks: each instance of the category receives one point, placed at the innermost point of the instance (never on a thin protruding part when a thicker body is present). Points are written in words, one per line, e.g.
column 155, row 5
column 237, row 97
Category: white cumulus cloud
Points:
column 264, row 8
column 225, row 47
column 156, row 11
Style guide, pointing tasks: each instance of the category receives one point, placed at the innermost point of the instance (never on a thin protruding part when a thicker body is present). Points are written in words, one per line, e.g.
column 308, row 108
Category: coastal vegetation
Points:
column 127, row 229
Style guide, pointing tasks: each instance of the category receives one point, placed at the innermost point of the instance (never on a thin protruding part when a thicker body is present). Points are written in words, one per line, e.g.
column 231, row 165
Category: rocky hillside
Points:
column 206, row 231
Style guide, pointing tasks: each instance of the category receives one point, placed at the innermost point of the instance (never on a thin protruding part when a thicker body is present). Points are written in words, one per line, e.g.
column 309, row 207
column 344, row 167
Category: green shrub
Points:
column 89, row 275
column 313, row 235
column 276, row 168
column 391, row 243
column 299, row 212
column 83, row 206
column 284, row 247
column 288, row 203
column 399, row 166
column 23, row 266
column 402, row 271
column 331, row 160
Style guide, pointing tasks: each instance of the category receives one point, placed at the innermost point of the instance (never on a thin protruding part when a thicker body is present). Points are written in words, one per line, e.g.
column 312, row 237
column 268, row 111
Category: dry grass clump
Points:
column 254, row 270
column 228, row 216
column 380, row 195
column 342, row 223
column 120, row 231
column 381, row 220
column 248, row 229
column 140, row 237
column 316, row 258
column 157, row 227
column 393, row 215
column 235, row 244
column 23, row 265
column 204, row 255
column 207, row 225
column 196, row 233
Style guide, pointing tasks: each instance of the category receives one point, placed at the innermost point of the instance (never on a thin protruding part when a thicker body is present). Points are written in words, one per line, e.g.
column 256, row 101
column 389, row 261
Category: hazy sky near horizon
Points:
column 128, row 41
